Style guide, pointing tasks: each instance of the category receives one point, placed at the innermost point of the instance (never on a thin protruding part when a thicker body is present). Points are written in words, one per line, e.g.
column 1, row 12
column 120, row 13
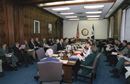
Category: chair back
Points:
column 50, row 71
column 55, row 48
column 11, row 48
column 52, row 47
column 40, row 53
column 95, row 64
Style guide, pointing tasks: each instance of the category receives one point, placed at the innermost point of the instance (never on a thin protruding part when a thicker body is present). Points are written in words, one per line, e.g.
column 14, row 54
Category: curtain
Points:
column 127, row 30
column 122, row 35
column 112, row 26
column 119, row 22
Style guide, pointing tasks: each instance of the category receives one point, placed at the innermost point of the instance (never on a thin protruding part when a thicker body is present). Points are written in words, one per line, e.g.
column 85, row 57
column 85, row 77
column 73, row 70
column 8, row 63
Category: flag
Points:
column 77, row 34
column 92, row 36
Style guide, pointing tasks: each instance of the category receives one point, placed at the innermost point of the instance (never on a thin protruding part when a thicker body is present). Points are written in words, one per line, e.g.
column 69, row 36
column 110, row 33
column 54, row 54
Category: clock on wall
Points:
column 85, row 32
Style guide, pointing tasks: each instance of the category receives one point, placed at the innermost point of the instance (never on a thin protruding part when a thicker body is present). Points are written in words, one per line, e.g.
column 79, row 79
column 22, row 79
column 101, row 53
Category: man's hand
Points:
column 126, row 63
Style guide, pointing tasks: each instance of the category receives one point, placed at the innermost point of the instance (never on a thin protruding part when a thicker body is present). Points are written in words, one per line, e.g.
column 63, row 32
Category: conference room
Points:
column 64, row 41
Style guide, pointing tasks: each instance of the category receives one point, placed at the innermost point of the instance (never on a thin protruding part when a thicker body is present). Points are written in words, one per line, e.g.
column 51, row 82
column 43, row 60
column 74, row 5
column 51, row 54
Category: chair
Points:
column 50, row 71
column 40, row 53
column 55, row 48
column 52, row 47
column 93, row 68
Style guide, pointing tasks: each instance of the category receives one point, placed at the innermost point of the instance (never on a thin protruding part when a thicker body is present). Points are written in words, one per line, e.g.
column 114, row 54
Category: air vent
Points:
column 80, row 13
column 81, row 16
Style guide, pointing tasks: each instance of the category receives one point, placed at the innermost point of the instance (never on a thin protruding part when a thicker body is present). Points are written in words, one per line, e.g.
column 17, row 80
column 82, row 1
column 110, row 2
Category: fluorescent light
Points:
column 54, row 3
column 95, row 12
column 94, row 6
column 76, row 1
column 93, row 16
column 61, row 9
column 73, row 19
column 67, row 13
column 41, row 5
column 70, row 16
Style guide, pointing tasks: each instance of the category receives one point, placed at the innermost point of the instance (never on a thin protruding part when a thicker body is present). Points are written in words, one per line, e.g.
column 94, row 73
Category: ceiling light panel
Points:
column 93, row 16
column 71, row 13
column 94, row 6
column 61, row 9
column 54, row 3
column 73, row 19
column 93, row 12
column 70, row 16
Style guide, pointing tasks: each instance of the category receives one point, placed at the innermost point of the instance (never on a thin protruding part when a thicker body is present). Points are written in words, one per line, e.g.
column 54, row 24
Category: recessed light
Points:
column 70, row 16
column 61, row 9
column 94, row 6
column 73, row 19
column 95, row 12
column 67, row 13
column 93, row 16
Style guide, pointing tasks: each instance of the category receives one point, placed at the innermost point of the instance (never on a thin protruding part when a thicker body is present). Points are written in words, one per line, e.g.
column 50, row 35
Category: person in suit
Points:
column 1, row 74
column 121, row 63
column 22, row 54
column 32, row 52
column 53, row 41
column 4, row 52
column 87, row 62
column 65, row 43
column 49, row 54
column 32, row 44
column 37, row 43
column 49, row 42
column 60, row 45
column 43, row 42
column 113, row 59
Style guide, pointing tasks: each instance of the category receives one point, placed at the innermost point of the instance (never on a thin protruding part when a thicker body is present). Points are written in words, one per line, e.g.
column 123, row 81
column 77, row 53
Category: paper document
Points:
column 73, row 56
column 55, row 55
column 80, row 49
column 22, row 46
column 126, row 58
column 114, row 53
column 64, row 61
column 30, row 49
column 127, row 74
column 61, row 51
column 77, row 52
column 80, row 57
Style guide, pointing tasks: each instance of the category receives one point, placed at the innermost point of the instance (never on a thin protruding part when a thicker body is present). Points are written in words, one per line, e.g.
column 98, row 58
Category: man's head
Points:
column 4, row 45
column 88, row 44
column 94, row 49
column 88, row 38
column 32, row 40
column 49, row 53
column 119, row 42
column 115, row 41
column 49, row 39
column 124, row 42
column 128, row 45
column 36, row 39
column 61, row 40
column 17, row 44
column 66, row 40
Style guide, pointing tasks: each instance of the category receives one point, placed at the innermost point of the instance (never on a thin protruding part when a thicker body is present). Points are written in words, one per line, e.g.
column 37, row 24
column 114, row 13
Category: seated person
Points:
column 113, row 59
column 22, row 54
column 87, row 52
column 43, row 42
column 48, row 53
column 52, row 40
column 4, row 52
column 32, row 52
column 121, row 63
column 37, row 43
column 49, row 42
column 57, row 40
column 60, row 45
column 87, row 62
column 1, row 74
column 32, row 45
column 65, row 43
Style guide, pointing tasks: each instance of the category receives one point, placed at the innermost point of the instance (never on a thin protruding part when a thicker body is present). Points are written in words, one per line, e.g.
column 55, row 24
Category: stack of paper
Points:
column 114, row 53
column 55, row 55
column 64, row 61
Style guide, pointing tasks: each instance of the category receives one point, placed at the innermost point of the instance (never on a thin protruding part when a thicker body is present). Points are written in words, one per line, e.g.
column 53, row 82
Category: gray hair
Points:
column 49, row 52
column 16, row 43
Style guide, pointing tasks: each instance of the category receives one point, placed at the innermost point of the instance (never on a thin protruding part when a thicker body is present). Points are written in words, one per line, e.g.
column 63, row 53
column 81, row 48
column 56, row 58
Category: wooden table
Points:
column 68, row 67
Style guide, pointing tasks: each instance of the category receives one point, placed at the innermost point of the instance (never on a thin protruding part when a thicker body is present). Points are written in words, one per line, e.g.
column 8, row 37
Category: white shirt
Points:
column 86, row 53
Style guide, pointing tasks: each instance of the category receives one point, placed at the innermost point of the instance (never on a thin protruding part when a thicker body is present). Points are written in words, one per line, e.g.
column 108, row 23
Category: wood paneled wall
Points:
column 17, row 22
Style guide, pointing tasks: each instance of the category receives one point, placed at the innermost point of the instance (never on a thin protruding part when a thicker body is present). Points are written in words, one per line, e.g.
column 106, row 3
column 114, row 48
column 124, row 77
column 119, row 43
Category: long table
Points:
column 67, row 67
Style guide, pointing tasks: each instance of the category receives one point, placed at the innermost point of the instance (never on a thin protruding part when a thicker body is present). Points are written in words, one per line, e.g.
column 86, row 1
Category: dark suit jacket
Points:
column 37, row 44
column 59, row 47
column 31, row 46
column 16, row 50
column 121, row 47
column 88, row 62
column 49, row 43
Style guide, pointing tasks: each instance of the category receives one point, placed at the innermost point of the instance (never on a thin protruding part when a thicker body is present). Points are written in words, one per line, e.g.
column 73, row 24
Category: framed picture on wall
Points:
column 50, row 28
column 36, row 26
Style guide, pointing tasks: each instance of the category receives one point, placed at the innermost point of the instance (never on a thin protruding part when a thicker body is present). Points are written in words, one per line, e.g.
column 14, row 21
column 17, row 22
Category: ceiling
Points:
column 76, row 6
